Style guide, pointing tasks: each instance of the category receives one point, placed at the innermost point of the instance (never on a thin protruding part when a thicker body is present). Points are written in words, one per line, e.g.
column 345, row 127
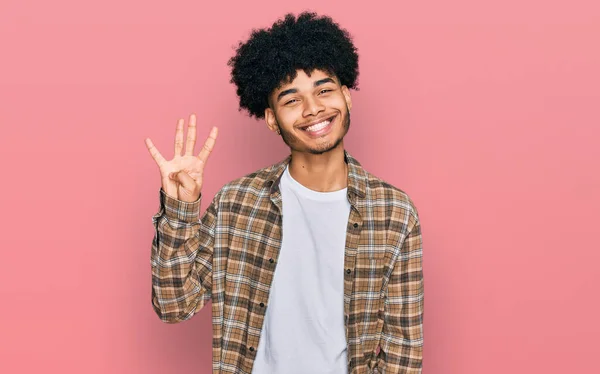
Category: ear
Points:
column 347, row 96
column 271, row 120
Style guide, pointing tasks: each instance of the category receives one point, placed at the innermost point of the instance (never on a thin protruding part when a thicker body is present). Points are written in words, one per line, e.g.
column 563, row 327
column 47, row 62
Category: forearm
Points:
column 181, row 259
column 403, row 346
column 402, row 335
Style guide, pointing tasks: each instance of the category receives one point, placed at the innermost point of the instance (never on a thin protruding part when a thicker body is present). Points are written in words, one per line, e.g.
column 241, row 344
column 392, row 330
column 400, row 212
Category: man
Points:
column 313, row 265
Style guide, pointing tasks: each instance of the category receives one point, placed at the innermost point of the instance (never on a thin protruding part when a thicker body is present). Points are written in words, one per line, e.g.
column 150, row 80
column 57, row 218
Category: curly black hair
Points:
column 271, row 57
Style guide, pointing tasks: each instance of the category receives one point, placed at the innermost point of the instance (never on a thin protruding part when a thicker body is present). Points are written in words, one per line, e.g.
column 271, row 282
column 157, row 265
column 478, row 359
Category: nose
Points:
column 312, row 106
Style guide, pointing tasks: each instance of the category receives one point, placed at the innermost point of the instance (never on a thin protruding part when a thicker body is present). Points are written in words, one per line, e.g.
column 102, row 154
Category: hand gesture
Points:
column 182, row 176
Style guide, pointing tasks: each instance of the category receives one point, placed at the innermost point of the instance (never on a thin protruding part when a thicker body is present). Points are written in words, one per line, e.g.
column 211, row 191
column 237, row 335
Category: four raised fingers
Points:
column 190, row 143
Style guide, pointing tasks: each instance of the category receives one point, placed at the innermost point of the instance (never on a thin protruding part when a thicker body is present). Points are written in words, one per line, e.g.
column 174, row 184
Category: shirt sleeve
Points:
column 402, row 334
column 181, row 257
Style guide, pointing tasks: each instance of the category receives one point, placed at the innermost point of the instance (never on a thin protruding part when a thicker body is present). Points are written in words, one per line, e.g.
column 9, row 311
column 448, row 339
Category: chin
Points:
column 326, row 147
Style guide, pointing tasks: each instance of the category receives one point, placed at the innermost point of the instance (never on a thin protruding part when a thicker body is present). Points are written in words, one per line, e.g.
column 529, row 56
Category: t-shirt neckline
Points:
column 312, row 194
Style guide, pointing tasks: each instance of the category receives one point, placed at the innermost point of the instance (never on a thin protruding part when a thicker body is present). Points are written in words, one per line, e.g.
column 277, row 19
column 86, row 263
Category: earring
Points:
column 278, row 132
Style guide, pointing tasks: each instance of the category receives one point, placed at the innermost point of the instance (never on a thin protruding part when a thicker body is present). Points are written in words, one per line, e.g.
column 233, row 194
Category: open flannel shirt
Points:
column 229, row 256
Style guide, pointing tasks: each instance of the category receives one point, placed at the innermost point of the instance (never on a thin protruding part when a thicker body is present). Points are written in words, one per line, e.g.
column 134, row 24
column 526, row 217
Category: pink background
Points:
column 486, row 113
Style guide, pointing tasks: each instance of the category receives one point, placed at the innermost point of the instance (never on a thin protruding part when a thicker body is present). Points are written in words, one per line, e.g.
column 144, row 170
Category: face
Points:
column 312, row 113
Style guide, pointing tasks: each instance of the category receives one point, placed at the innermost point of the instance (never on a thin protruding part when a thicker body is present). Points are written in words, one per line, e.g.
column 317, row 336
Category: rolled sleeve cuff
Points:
column 180, row 210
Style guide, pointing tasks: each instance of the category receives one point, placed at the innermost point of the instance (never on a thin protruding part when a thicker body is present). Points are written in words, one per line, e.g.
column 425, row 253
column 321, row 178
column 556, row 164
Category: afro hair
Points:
column 271, row 57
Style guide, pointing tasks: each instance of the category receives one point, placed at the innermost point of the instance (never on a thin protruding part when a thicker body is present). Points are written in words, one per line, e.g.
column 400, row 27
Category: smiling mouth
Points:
column 318, row 127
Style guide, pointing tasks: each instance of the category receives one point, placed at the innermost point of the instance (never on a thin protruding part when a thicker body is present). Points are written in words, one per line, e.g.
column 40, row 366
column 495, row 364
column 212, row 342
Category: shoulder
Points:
column 255, row 183
column 393, row 202
column 381, row 192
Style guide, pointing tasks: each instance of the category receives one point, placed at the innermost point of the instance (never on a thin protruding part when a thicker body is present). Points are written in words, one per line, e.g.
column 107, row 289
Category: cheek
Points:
column 288, row 117
column 337, row 101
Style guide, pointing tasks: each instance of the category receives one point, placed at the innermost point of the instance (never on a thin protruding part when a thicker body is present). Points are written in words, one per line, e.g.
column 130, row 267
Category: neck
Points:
column 326, row 172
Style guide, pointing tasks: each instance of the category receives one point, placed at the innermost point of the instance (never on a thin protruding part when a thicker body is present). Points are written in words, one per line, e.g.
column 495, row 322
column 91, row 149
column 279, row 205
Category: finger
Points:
column 179, row 138
column 208, row 145
column 184, row 179
column 154, row 152
column 191, row 136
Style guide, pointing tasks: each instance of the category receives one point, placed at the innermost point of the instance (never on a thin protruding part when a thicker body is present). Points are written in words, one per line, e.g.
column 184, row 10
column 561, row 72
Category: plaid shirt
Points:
column 229, row 256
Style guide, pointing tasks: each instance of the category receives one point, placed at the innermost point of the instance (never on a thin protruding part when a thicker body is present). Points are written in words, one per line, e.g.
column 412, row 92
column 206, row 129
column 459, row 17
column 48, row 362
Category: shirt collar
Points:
column 357, row 176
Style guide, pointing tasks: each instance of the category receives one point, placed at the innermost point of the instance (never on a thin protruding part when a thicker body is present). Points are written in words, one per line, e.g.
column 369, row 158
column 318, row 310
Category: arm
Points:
column 182, row 253
column 402, row 335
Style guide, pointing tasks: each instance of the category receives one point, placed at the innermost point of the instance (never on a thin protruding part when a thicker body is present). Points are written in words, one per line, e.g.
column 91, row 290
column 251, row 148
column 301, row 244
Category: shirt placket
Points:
column 354, row 227
column 271, row 258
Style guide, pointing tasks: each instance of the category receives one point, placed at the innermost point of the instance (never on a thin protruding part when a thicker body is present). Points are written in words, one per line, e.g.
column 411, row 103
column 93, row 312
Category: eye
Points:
column 325, row 89
column 291, row 101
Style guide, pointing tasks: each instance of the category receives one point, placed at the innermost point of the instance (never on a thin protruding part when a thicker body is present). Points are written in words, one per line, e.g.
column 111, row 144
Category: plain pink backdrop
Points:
column 485, row 112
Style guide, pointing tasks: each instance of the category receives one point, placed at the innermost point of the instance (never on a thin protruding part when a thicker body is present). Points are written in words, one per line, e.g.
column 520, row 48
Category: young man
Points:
column 313, row 265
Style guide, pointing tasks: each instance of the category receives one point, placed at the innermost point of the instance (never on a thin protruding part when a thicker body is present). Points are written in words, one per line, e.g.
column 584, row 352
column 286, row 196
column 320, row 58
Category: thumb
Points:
column 184, row 179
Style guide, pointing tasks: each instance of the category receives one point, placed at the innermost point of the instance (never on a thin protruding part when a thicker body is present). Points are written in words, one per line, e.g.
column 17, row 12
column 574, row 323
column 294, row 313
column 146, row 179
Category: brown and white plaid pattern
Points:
column 229, row 256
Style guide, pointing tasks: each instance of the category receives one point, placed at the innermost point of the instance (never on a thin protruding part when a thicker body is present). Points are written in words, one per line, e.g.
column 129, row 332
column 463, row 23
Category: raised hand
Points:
column 182, row 176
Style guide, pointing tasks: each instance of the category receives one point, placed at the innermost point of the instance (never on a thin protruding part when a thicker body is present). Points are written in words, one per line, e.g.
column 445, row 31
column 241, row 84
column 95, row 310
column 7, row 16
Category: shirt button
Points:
column 355, row 225
column 251, row 349
column 348, row 271
column 271, row 260
column 262, row 305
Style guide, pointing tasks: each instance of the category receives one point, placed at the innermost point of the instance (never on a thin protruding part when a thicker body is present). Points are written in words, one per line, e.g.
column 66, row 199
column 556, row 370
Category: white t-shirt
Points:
column 303, row 330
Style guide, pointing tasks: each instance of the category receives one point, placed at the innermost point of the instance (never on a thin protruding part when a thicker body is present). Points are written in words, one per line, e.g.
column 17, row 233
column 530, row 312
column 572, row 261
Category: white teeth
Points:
column 318, row 126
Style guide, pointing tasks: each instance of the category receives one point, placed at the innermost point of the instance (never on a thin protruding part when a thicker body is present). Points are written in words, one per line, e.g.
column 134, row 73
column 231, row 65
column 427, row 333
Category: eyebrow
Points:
column 294, row 90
